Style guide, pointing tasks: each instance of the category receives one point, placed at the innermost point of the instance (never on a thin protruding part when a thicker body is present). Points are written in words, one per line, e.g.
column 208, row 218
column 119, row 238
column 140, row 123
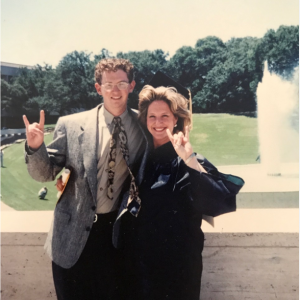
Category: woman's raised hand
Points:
column 35, row 131
column 181, row 143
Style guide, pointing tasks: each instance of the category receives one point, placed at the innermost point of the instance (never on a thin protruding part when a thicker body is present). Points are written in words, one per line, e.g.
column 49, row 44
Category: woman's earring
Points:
column 175, row 125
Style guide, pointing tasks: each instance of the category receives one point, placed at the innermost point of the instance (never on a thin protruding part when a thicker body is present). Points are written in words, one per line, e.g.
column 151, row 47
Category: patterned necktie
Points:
column 119, row 133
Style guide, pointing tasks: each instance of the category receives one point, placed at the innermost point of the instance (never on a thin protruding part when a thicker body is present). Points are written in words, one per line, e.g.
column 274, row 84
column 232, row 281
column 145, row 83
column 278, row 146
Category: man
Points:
column 42, row 192
column 85, row 264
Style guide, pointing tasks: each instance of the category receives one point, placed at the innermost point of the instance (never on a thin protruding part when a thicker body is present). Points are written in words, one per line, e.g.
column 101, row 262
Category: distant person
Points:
column 163, row 244
column 43, row 192
column 1, row 157
column 98, row 147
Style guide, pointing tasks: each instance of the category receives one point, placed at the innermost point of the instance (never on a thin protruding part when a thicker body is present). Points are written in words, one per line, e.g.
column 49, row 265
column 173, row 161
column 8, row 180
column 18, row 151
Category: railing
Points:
column 9, row 132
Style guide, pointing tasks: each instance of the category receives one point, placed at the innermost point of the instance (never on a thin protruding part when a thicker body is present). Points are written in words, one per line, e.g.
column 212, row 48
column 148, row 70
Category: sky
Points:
column 44, row 31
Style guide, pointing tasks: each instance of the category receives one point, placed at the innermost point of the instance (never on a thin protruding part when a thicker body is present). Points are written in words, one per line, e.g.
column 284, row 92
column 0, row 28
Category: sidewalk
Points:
column 237, row 266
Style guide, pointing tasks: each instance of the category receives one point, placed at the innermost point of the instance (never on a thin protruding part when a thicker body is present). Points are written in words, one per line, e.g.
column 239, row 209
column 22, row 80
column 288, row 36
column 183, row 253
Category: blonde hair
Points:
column 113, row 65
column 177, row 103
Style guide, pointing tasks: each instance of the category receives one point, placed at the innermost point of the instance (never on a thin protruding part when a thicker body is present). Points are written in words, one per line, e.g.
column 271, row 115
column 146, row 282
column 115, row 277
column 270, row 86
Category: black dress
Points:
column 163, row 245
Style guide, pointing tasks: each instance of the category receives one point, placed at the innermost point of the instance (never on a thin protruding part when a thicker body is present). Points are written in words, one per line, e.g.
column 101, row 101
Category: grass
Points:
column 223, row 139
column 18, row 189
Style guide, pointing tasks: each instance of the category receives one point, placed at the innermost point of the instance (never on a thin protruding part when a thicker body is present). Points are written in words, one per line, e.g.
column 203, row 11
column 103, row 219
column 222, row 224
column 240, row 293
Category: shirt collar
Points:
column 108, row 117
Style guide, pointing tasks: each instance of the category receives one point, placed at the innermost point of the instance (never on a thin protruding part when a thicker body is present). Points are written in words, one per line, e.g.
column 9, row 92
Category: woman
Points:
column 164, row 242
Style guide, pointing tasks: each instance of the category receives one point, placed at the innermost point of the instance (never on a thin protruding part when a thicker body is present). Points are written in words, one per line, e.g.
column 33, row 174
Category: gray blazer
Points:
column 74, row 146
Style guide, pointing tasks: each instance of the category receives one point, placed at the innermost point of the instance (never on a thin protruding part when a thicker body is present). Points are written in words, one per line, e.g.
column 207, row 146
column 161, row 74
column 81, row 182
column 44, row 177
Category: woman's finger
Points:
column 170, row 135
column 178, row 141
column 187, row 133
column 180, row 134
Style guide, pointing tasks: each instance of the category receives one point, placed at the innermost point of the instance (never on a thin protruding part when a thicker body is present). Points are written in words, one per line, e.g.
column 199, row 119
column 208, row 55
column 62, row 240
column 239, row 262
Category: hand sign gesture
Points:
column 183, row 147
column 181, row 143
column 35, row 131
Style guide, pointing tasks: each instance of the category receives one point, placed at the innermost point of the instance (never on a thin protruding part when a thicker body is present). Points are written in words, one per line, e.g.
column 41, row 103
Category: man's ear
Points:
column 98, row 88
column 131, row 86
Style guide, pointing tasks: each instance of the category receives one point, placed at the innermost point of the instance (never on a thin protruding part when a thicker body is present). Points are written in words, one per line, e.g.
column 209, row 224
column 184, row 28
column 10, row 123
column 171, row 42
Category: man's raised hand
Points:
column 35, row 131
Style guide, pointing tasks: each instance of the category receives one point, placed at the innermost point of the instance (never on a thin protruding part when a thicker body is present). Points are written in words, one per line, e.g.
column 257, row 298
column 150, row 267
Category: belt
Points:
column 95, row 218
column 112, row 214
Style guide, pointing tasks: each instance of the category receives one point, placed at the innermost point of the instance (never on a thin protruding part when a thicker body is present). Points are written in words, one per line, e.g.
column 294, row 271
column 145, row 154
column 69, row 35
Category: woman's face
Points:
column 159, row 118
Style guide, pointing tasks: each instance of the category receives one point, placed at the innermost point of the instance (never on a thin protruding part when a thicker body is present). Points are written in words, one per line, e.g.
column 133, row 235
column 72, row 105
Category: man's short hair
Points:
column 113, row 65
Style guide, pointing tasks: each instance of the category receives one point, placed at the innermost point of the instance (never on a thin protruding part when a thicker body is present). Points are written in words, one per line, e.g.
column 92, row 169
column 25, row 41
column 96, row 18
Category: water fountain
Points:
column 278, row 123
column 274, row 182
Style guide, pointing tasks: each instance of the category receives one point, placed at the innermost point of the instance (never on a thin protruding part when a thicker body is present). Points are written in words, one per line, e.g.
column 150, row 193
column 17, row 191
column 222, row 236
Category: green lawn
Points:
column 18, row 189
column 223, row 139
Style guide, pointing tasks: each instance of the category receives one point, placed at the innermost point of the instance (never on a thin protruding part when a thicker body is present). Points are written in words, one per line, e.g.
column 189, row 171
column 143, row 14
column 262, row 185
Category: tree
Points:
column 74, row 82
column 222, row 77
column 13, row 97
column 33, row 82
column 190, row 67
column 245, row 71
column 146, row 64
column 281, row 49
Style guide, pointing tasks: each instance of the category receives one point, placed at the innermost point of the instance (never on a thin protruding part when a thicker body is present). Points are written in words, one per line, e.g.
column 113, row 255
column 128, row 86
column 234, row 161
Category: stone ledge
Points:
column 236, row 266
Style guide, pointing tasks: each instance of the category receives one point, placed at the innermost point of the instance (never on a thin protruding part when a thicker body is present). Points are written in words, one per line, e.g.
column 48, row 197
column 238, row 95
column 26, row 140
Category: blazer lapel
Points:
column 88, row 140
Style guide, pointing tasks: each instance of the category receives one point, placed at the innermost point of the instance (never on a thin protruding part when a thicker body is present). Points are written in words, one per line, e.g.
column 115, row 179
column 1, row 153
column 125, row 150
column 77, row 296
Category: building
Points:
column 9, row 70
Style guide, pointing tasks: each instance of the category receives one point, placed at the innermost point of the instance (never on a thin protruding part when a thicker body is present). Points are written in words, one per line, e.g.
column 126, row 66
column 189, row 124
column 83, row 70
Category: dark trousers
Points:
column 95, row 274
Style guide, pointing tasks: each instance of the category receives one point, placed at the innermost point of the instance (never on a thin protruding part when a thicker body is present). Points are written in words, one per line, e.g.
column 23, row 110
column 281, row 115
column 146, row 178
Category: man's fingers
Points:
column 35, row 130
column 170, row 135
column 42, row 120
column 26, row 122
column 59, row 184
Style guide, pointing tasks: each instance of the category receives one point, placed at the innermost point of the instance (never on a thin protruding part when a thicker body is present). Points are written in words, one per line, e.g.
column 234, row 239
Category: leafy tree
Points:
column 74, row 82
column 5, row 95
column 222, row 77
column 104, row 53
column 33, row 82
column 245, row 71
column 281, row 49
column 146, row 63
column 190, row 67
column 13, row 97
column 19, row 97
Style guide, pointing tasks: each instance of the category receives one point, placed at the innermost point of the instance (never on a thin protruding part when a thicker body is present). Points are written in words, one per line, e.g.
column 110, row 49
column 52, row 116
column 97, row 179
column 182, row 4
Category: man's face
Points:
column 115, row 100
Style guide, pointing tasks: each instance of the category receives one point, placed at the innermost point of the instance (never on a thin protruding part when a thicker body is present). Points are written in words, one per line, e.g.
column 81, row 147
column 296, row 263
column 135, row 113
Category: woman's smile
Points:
column 159, row 119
